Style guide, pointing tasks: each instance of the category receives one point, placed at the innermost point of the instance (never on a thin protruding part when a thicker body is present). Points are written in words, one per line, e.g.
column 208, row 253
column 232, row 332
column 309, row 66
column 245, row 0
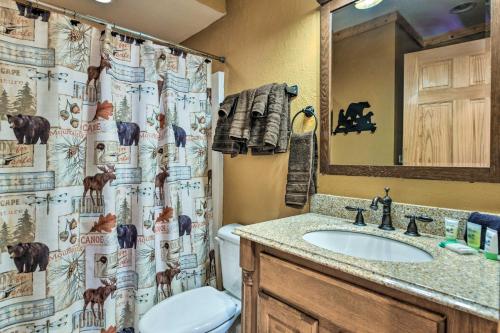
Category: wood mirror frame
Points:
column 470, row 174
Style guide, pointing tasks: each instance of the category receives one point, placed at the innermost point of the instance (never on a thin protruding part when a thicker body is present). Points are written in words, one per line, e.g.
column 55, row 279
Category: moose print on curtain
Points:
column 105, row 199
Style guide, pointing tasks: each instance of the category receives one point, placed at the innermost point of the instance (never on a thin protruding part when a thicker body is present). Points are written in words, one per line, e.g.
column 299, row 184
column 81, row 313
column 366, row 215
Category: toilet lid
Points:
column 195, row 311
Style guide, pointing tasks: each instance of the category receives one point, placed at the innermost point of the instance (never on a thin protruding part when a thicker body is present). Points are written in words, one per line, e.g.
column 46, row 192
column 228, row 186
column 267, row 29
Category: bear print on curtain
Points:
column 105, row 199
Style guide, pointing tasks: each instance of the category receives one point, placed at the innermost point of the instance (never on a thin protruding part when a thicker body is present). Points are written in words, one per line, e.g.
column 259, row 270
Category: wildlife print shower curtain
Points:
column 105, row 194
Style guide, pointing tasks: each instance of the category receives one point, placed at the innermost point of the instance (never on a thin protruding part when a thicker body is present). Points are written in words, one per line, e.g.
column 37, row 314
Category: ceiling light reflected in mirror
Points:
column 365, row 4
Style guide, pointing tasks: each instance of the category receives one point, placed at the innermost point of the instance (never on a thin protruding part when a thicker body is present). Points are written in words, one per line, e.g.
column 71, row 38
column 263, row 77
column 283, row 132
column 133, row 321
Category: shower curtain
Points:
column 105, row 182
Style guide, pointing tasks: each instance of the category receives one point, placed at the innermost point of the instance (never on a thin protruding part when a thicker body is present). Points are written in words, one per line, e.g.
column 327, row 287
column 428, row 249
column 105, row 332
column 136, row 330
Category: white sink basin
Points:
column 366, row 246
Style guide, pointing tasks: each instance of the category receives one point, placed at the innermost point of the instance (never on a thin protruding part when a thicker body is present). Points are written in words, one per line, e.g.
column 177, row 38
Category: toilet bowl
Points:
column 206, row 309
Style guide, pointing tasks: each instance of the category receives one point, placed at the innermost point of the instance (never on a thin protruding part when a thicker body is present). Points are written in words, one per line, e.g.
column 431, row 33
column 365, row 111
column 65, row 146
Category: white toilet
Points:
column 206, row 309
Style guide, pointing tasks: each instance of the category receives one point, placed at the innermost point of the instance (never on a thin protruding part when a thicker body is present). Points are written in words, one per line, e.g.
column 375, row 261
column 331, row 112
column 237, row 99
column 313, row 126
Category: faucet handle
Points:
column 412, row 229
column 360, row 220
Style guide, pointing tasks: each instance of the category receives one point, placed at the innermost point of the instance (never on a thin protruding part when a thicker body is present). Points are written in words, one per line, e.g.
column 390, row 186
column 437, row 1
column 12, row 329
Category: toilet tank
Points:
column 229, row 250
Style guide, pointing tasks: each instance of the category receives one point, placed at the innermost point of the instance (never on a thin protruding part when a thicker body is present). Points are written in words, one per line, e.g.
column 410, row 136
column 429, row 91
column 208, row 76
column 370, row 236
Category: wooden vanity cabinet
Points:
column 283, row 293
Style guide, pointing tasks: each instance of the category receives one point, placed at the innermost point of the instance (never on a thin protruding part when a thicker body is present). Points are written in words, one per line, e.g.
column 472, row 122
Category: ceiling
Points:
column 172, row 20
column 429, row 18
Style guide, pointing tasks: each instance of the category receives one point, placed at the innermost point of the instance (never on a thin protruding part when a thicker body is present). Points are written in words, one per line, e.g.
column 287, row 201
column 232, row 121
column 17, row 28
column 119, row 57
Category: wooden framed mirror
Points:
column 411, row 89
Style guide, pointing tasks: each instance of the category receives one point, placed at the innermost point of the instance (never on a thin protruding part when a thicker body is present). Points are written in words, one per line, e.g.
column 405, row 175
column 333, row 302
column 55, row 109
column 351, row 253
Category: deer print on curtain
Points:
column 105, row 204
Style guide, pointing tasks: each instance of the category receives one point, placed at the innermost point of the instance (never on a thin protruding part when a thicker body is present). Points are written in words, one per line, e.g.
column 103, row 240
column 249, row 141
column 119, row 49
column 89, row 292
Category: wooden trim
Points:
column 325, row 87
column 406, row 26
column 491, row 174
column 248, row 290
column 248, row 310
column 456, row 34
column 374, row 23
column 378, row 22
column 246, row 255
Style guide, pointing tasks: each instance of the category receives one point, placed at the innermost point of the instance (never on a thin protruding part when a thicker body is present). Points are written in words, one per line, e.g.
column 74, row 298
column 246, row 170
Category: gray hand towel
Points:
column 302, row 164
column 259, row 116
column 285, row 126
column 276, row 102
column 222, row 142
column 272, row 134
column 227, row 105
column 240, row 126
column 259, row 106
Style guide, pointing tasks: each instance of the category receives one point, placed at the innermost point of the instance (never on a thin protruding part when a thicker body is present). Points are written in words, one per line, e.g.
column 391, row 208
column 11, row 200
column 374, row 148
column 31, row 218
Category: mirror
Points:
column 410, row 84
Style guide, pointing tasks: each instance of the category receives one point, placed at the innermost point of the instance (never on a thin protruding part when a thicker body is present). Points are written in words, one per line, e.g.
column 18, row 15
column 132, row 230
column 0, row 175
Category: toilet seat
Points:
column 199, row 310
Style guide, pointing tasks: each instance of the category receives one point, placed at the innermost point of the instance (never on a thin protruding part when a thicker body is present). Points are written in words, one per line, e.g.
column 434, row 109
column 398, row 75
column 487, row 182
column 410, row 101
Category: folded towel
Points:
column 259, row 105
column 222, row 142
column 285, row 126
column 256, row 118
column 302, row 164
column 314, row 175
column 485, row 221
column 227, row 105
column 276, row 102
column 240, row 126
column 272, row 134
column 259, row 116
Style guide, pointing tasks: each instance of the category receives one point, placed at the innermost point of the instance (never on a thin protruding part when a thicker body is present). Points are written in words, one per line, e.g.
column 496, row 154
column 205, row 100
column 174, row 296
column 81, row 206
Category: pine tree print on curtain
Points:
column 105, row 205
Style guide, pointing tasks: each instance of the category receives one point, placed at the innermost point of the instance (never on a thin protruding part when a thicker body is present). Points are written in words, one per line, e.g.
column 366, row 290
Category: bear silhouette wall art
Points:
column 353, row 120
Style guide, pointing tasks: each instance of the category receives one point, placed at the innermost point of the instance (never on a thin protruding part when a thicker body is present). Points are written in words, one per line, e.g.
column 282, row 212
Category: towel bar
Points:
column 309, row 112
column 293, row 91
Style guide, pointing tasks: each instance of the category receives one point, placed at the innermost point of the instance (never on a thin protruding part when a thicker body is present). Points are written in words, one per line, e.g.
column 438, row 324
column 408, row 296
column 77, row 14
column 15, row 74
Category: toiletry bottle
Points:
column 451, row 228
column 491, row 244
column 474, row 235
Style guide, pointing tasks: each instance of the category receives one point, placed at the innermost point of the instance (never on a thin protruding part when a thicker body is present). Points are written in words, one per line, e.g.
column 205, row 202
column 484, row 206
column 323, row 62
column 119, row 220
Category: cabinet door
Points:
column 276, row 317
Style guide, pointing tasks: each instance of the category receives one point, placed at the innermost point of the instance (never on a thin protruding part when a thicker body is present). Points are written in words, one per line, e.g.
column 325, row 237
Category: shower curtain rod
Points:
column 119, row 29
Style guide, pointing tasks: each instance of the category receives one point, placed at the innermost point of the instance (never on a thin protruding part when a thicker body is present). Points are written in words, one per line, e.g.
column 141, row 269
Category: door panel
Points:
column 433, row 134
column 471, row 128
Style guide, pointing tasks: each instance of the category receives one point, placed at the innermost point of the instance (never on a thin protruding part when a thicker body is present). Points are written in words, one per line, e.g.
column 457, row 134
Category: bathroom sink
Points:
column 365, row 246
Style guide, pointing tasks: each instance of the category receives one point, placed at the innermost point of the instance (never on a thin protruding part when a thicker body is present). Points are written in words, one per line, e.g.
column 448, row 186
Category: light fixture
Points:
column 104, row 1
column 365, row 4
column 463, row 8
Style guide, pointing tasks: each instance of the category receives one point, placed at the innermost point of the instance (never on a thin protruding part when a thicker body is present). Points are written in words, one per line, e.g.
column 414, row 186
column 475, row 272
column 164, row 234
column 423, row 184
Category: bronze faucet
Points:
column 386, row 202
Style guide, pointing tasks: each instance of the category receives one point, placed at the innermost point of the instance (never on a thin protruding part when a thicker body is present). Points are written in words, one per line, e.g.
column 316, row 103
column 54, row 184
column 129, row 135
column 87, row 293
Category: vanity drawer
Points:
column 344, row 305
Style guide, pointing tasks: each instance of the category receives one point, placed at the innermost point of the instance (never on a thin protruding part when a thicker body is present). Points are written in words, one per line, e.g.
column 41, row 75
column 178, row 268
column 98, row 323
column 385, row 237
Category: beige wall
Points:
column 364, row 69
column 218, row 5
column 278, row 40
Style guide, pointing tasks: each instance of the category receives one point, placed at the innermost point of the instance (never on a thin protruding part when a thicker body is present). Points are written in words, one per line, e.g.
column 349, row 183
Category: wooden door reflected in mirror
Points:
column 446, row 117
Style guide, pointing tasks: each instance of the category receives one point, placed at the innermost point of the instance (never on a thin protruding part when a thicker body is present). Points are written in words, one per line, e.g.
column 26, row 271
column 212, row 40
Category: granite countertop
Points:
column 468, row 283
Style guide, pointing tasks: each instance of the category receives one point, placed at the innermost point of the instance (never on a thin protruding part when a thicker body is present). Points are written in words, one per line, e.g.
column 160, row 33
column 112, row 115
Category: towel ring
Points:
column 309, row 112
